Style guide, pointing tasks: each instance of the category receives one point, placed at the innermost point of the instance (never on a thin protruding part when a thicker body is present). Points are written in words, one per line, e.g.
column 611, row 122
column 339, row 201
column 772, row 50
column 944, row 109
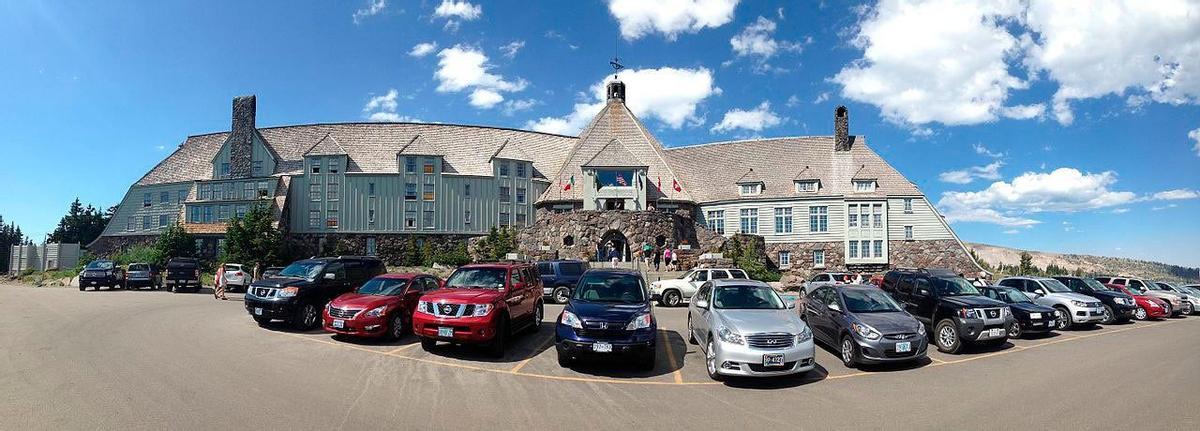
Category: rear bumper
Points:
column 140, row 282
column 171, row 282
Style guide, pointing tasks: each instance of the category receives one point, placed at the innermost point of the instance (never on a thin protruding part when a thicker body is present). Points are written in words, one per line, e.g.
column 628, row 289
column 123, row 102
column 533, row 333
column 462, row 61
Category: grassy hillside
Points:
column 994, row 256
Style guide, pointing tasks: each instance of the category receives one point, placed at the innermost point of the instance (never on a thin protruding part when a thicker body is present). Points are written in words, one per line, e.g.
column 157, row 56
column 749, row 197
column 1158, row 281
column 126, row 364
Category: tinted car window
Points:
column 701, row 275
column 100, row 264
column 610, row 287
column 739, row 274
column 545, row 269
column 383, row 286
column 869, row 301
column 1136, row 283
column 139, row 267
column 307, row 269
column 486, row 278
column 921, row 285
column 337, row 269
column 719, row 274
column 570, row 268
column 906, row 284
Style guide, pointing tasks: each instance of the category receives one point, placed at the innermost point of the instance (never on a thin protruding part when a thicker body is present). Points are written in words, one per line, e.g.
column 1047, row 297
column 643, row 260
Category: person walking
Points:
column 613, row 255
column 647, row 250
column 657, row 260
column 219, row 283
column 667, row 255
column 257, row 274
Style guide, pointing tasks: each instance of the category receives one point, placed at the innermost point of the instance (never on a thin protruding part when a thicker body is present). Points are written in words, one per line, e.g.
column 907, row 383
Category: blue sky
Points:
column 1037, row 124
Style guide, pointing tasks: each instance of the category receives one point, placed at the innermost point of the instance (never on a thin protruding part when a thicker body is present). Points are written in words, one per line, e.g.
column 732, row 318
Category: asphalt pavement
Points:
column 155, row 360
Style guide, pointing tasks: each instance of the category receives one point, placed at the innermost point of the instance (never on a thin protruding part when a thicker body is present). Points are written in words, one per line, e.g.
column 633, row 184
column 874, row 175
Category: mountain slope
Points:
column 1097, row 265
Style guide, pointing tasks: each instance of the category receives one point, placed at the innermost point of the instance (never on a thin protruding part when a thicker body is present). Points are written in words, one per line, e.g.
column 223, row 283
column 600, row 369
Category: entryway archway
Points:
column 612, row 240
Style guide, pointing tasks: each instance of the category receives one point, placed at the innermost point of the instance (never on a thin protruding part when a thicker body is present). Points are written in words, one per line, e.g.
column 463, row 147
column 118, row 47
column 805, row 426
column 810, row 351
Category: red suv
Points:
column 381, row 307
column 481, row 304
column 1149, row 307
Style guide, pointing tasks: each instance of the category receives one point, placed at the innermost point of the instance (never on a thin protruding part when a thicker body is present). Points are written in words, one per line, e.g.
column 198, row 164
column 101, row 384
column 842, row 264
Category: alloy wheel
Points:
column 672, row 298
column 561, row 295
column 1063, row 321
column 847, row 352
column 310, row 315
column 537, row 315
column 397, row 327
column 1140, row 314
column 1014, row 331
column 946, row 337
column 710, row 359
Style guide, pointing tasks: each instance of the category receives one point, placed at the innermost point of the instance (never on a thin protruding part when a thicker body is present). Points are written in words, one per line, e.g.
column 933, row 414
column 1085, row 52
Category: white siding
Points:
column 926, row 223
column 800, row 225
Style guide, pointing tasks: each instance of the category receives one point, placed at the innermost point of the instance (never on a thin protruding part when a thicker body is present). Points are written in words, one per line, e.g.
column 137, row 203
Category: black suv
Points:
column 951, row 307
column 1118, row 307
column 101, row 272
column 299, row 292
column 559, row 278
column 183, row 273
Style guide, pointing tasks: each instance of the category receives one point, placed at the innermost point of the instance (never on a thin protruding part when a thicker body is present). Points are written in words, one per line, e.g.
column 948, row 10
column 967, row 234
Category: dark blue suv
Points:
column 609, row 314
column 559, row 278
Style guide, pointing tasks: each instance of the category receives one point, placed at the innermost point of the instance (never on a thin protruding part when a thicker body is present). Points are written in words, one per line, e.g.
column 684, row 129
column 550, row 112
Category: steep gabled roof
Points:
column 327, row 146
column 510, row 152
column 419, row 146
column 613, row 155
column 750, row 177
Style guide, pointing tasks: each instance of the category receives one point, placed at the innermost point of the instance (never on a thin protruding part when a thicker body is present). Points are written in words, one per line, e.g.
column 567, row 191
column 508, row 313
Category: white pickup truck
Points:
column 672, row 292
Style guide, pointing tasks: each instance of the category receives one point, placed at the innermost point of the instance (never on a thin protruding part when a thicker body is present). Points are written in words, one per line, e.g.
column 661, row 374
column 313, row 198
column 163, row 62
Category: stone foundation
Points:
column 802, row 268
column 946, row 253
column 392, row 249
column 578, row 234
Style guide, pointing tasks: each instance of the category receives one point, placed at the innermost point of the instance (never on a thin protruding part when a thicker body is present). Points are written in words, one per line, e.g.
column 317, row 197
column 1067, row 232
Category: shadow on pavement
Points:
column 520, row 346
column 817, row 374
column 626, row 366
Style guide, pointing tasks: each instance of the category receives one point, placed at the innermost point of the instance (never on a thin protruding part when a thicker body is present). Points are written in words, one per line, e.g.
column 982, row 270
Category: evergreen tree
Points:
column 1026, row 267
column 80, row 225
column 255, row 239
column 174, row 241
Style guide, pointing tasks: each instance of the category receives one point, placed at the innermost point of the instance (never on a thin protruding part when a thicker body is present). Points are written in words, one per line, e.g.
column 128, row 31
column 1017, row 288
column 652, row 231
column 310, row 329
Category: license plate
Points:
column 602, row 347
column 998, row 332
column 1035, row 315
column 547, row 290
column 445, row 332
column 92, row 283
column 339, row 324
column 258, row 311
column 904, row 347
column 773, row 360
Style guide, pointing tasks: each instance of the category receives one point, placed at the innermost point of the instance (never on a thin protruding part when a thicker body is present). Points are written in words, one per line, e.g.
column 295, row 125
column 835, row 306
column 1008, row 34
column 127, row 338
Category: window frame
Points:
column 783, row 220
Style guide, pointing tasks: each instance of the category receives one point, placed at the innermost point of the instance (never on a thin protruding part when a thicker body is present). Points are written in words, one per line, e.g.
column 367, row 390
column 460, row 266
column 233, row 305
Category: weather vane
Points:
column 616, row 65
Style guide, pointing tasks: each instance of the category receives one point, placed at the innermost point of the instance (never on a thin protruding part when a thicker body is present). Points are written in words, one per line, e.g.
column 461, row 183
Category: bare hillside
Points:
column 1096, row 265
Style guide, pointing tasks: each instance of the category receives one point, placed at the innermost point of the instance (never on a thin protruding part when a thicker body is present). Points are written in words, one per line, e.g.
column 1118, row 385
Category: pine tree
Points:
column 1026, row 267
column 255, row 239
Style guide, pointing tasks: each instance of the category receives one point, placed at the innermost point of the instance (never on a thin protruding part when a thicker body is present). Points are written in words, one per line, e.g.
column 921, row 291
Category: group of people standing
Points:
column 648, row 253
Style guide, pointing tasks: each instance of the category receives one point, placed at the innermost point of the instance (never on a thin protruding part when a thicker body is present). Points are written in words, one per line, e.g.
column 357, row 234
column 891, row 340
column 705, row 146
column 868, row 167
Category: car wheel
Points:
column 946, row 337
column 691, row 335
column 710, row 361
column 306, row 316
column 849, row 353
column 672, row 298
column 1140, row 313
column 561, row 295
column 1109, row 316
column 428, row 344
column 396, row 328
column 1014, row 330
column 81, row 288
column 539, row 311
column 1062, row 321
column 495, row 348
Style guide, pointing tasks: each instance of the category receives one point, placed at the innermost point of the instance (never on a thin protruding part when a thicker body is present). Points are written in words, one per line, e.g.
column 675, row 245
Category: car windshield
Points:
column 138, row 267
column 383, row 286
column 610, row 287
column 1151, row 286
column 746, row 298
column 480, row 278
column 869, row 301
column 100, row 264
column 954, row 287
column 1013, row 296
column 1190, row 290
column 306, row 269
column 1096, row 285
column 687, row 275
column 1055, row 286
column 1136, row 290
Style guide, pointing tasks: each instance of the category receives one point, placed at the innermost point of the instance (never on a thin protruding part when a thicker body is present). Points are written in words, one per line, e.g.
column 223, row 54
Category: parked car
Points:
column 1179, row 306
column 303, row 288
column 744, row 328
column 101, row 273
column 481, row 304
column 951, row 307
column 236, row 278
column 1118, row 307
column 608, row 315
column 825, row 279
column 182, row 273
column 864, row 324
column 270, row 272
column 1073, row 308
column 381, row 307
column 1191, row 298
column 1149, row 307
column 1192, row 291
column 559, row 278
column 672, row 292
column 1031, row 318
column 138, row 275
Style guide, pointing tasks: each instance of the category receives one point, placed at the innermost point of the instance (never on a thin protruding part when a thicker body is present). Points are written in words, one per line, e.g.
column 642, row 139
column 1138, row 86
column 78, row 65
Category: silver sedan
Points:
column 745, row 329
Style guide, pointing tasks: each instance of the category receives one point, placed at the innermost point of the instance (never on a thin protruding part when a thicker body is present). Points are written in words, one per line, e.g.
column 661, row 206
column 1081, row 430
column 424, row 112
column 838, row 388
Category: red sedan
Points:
column 381, row 307
column 1149, row 307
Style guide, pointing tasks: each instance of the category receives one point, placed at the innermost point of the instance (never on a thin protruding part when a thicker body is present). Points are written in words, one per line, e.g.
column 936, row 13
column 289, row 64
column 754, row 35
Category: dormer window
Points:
column 316, row 167
column 750, row 189
column 334, row 166
column 864, row 186
column 428, row 166
column 807, row 186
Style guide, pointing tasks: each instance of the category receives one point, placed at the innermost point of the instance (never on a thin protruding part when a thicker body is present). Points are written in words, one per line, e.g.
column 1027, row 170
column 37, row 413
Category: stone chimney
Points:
column 841, row 129
column 241, row 137
column 616, row 91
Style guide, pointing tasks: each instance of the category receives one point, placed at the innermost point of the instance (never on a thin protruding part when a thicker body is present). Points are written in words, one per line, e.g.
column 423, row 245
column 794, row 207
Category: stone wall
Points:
column 577, row 234
column 392, row 249
column 944, row 253
column 801, row 268
column 241, row 137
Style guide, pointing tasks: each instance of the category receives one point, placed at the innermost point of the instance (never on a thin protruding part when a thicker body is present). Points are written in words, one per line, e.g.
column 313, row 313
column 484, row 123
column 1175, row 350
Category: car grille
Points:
column 600, row 330
column 93, row 274
column 770, row 341
column 263, row 292
column 449, row 310
column 1094, row 305
column 901, row 337
column 759, row 368
column 342, row 313
column 992, row 313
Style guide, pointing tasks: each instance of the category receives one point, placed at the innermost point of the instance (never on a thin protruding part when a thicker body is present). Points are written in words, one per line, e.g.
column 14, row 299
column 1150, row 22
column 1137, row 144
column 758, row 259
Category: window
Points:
column 427, row 192
column 853, row 253
column 615, row 178
column 427, row 167
column 783, row 220
column 316, row 167
column 908, row 205
column 908, row 232
column 131, row 224
column 877, row 216
column 864, row 186
column 410, row 165
column 466, row 190
column 864, row 216
column 467, row 217
column 370, row 246
column 208, row 214
column 183, row 194
column 521, row 218
column 878, row 248
column 334, row 166
column 785, row 259
column 194, row 215
column 225, row 169
column 818, row 257
column 410, row 219
column 371, row 216
column 749, row 220
column 163, row 220
column 504, row 220
column 332, row 221
column 248, row 190
column 164, row 197
column 239, row 211
column 410, row 191
column 427, row 219
column 750, row 189
column 205, row 192
column 818, row 219
column 263, row 190
column 520, row 195
column 223, row 213
column 866, row 249
column 145, row 222
column 806, row 186
column 146, row 200
column 505, row 196
column 521, row 170
column 230, row 191
column 256, row 167
column 852, row 216
column 716, row 221
column 504, row 169
column 370, row 189
column 314, row 191
column 332, row 191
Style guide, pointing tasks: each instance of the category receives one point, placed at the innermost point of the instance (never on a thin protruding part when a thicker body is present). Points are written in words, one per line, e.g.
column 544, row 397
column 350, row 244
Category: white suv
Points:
column 826, row 279
column 1073, row 308
column 672, row 292
column 236, row 278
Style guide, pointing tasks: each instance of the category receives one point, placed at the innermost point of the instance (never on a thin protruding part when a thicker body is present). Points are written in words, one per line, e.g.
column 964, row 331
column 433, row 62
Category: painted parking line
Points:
column 402, row 348
column 671, row 357
column 936, row 360
column 541, row 348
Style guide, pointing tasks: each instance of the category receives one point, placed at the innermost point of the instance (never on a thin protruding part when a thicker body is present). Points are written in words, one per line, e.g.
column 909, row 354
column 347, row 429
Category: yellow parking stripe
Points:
column 402, row 348
column 671, row 357
column 540, row 348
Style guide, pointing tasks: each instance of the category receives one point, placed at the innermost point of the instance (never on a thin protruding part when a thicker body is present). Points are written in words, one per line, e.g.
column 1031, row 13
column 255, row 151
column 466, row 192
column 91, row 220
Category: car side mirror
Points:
column 922, row 292
column 1039, row 292
column 330, row 276
column 791, row 305
column 700, row 303
column 834, row 308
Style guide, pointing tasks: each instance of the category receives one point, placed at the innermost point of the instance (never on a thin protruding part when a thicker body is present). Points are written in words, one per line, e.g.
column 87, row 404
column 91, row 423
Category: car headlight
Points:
column 1007, row 312
column 968, row 313
column 377, row 311
column 328, row 307
column 1079, row 303
column 287, row 292
column 482, row 310
column 422, row 307
column 727, row 335
column 920, row 329
column 865, row 331
column 570, row 319
column 642, row 321
column 804, row 335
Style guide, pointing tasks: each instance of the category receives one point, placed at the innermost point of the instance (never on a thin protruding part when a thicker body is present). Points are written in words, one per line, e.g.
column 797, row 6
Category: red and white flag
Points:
column 675, row 184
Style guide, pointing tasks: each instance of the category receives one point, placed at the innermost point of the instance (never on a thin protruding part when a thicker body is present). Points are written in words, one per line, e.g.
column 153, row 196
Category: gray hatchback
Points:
column 864, row 324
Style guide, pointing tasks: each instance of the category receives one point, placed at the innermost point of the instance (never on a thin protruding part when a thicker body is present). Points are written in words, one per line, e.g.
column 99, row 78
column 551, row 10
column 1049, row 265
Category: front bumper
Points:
column 282, row 309
column 1037, row 326
column 472, row 330
column 98, row 281
column 742, row 360
column 1086, row 315
column 884, row 350
column 359, row 326
column 981, row 330
column 636, row 342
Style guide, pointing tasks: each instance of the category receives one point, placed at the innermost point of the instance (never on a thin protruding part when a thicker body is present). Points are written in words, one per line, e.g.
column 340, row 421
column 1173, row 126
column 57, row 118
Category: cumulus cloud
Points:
column 823, row 97
column 1175, row 195
column 638, row 18
column 755, row 119
column 373, row 7
column 383, row 108
column 422, row 49
column 464, row 68
column 667, row 94
column 513, row 106
column 757, row 40
column 510, row 49
column 991, row 171
column 1195, row 136
column 1008, row 203
column 458, row 9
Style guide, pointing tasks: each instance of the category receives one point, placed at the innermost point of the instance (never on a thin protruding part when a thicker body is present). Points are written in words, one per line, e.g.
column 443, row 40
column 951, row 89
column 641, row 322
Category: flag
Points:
column 660, row 183
column 569, row 183
column 675, row 184
column 621, row 180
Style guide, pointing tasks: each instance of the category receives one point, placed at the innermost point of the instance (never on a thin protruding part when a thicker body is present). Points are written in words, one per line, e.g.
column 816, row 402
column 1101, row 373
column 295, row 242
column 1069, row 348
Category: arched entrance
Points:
column 612, row 240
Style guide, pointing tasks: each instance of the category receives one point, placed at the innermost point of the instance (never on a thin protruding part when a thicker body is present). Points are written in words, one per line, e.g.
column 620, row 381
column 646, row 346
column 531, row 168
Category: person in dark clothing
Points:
column 657, row 259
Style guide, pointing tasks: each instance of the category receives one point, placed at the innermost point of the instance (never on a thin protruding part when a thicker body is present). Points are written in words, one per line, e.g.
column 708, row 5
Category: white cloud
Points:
column 986, row 215
column 666, row 94
column 513, row 106
column 422, row 49
column 755, row 119
column 1062, row 190
column 510, row 49
column 1092, row 49
column 821, row 98
column 383, row 108
column 984, row 151
column 639, row 18
column 1175, row 195
column 757, row 40
column 794, row 101
column 391, row 117
column 374, row 7
column 1012, row 232
column 991, row 171
column 462, row 68
column 160, row 147
column 458, row 9
column 1164, row 207
column 1195, row 136
column 1120, row 210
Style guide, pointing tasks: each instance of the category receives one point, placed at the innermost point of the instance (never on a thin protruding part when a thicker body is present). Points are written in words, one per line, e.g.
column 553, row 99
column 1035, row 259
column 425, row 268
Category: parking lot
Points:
column 155, row 360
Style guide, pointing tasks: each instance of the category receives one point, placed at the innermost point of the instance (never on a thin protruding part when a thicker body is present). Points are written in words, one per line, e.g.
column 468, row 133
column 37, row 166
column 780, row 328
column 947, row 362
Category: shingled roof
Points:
column 614, row 155
column 327, row 146
column 511, row 152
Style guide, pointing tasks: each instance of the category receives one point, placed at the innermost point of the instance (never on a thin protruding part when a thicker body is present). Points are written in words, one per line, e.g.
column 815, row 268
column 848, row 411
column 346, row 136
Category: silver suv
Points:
column 1191, row 297
column 1072, row 308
